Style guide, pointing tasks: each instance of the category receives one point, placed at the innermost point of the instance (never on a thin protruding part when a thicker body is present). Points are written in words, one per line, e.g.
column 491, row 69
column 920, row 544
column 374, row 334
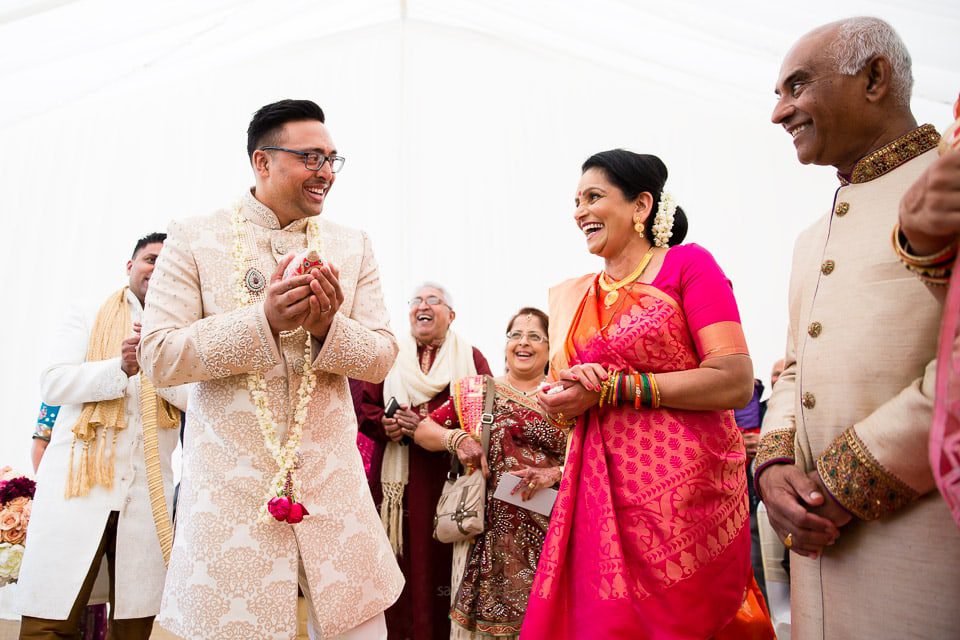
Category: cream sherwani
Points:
column 855, row 403
column 230, row 575
column 66, row 532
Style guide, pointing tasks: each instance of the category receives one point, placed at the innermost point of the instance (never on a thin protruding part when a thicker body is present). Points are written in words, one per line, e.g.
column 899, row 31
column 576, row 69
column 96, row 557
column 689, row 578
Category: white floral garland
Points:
column 285, row 482
column 663, row 221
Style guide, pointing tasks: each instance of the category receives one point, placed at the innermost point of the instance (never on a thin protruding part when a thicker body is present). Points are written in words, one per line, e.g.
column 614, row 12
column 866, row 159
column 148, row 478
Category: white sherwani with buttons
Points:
column 232, row 575
column 65, row 533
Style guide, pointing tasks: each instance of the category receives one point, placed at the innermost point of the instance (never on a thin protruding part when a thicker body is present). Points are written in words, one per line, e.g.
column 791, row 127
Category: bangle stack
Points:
column 452, row 439
column 637, row 389
column 934, row 269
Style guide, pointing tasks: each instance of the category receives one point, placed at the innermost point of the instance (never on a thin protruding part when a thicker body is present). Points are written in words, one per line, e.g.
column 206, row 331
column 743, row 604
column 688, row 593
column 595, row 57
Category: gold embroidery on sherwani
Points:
column 776, row 446
column 229, row 575
column 889, row 157
column 860, row 483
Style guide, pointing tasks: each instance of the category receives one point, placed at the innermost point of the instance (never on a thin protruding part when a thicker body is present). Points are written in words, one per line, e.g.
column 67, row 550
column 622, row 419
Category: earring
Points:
column 638, row 226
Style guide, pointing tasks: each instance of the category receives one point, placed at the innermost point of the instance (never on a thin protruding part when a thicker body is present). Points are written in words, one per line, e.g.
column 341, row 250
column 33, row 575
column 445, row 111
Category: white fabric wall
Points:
column 463, row 123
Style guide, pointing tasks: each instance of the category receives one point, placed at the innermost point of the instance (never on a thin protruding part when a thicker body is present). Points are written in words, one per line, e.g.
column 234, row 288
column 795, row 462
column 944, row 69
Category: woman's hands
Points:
column 535, row 478
column 580, row 390
column 471, row 456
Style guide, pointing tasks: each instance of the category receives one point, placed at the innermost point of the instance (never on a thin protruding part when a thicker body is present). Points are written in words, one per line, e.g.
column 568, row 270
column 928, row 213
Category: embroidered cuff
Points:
column 858, row 482
column 775, row 447
column 236, row 342
column 42, row 432
column 353, row 350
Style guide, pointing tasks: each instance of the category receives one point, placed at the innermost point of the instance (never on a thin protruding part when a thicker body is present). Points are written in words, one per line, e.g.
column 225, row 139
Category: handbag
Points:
column 460, row 510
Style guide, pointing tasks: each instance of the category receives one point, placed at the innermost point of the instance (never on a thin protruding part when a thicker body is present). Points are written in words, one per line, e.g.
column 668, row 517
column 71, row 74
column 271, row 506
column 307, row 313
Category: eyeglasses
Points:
column 532, row 337
column 313, row 160
column 430, row 300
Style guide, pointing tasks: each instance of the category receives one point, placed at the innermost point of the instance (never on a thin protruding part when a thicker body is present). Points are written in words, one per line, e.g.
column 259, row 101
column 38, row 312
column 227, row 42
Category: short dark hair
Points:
column 636, row 173
column 269, row 119
column 150, row 238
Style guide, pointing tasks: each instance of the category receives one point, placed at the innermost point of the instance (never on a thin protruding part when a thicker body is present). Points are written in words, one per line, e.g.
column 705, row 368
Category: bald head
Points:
column 844, row 91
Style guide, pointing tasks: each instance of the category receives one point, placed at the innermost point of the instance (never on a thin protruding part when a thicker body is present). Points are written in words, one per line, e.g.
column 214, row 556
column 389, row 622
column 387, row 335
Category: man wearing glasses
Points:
column 412, row 477
column 273, row 493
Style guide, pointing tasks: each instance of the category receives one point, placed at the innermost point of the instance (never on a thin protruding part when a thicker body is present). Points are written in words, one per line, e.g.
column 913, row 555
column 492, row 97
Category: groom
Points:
column 271, row 414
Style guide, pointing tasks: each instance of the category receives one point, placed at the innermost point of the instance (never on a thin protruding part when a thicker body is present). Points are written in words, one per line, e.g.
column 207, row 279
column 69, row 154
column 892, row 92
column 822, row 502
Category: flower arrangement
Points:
column 16, row 501
column 663, row 221
column 283, row 500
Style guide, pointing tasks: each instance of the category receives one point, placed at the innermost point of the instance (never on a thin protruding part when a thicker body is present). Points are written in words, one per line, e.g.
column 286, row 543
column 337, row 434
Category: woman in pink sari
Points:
column 649, row 537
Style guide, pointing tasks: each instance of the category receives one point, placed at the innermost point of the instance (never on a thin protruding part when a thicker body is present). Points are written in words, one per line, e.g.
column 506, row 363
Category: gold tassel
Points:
column 111, row 326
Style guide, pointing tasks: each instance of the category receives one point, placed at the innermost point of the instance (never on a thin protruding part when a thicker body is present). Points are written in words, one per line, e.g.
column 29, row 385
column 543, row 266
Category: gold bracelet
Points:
column 655, row 392
column 941, row 258
column 456, row 437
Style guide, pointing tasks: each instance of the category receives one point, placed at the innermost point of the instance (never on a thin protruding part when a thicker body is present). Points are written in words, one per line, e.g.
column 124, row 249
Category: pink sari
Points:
column 650, row 537
column 945, row 432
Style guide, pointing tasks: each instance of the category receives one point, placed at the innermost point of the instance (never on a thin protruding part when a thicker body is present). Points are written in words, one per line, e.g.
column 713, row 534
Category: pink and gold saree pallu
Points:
column 650, row 535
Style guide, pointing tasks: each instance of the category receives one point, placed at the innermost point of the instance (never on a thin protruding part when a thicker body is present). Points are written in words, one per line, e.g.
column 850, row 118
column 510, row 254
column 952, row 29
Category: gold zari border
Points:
column 858, row 482
column 775, row 446
column 889, row 157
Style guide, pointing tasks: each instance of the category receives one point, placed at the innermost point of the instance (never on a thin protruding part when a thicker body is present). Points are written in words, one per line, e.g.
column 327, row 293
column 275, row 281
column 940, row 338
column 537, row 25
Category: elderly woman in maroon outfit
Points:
column 430, row 359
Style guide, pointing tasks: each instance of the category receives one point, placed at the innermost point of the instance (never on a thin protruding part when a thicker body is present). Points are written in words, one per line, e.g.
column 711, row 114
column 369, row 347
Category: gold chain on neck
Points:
column 612, row 287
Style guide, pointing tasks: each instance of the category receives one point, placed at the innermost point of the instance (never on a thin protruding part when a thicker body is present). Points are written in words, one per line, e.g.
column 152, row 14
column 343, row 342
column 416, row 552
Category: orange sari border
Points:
column 722, row 339
column 564, row 303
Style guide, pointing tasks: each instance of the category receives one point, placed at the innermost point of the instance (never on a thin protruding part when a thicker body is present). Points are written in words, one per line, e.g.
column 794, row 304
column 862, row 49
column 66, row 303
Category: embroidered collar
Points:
column 262, row 216
column 889, row 157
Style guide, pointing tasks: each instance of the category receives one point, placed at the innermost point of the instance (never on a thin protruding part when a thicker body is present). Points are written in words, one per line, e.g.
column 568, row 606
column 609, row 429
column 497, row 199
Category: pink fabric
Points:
column 367, row 449
column 945, row 432
column 649, row 536
column 691, row 276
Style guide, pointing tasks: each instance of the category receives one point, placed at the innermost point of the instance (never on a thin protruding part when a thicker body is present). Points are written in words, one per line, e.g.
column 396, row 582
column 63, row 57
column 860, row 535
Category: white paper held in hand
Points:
column 541, row 502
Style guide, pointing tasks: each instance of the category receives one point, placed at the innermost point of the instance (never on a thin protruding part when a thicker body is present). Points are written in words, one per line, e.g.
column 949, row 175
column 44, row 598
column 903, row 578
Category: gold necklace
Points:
column 528, row 394
column 612, row 287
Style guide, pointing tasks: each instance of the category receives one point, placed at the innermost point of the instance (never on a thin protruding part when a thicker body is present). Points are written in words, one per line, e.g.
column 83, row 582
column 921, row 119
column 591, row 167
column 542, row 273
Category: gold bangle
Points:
column 655, row 392
column 941, row 258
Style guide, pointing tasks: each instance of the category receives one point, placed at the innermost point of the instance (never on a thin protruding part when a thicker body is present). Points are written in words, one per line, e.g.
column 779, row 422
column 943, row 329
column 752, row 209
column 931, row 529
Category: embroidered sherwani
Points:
column 854, row 402
column 231, row 575
column 65, row 532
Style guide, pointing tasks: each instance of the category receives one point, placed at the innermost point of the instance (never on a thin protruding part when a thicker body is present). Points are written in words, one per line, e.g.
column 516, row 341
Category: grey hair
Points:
column 861, row 38
column 433, row 285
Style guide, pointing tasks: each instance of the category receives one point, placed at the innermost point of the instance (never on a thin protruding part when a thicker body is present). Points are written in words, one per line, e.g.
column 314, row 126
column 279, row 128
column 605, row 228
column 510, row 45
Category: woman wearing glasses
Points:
column 497, row 569
column 650, row 535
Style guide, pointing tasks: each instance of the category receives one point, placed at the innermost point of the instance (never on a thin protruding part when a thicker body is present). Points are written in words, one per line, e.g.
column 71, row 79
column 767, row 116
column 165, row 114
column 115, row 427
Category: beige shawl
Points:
column 411, row 386
column 104, row 420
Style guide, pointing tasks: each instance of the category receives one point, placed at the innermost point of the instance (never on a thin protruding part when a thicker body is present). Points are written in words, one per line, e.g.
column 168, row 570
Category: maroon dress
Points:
column 423, row 609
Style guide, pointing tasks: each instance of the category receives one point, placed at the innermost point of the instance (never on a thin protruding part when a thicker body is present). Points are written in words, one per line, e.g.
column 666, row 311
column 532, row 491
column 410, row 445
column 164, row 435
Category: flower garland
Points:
column 283, row 499
column 663, row 221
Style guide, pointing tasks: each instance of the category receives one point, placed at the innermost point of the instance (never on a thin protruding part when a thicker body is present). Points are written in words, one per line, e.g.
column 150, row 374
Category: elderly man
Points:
column 842, row 463
column 273, row 493
column 105, row 484
column 412, row 478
